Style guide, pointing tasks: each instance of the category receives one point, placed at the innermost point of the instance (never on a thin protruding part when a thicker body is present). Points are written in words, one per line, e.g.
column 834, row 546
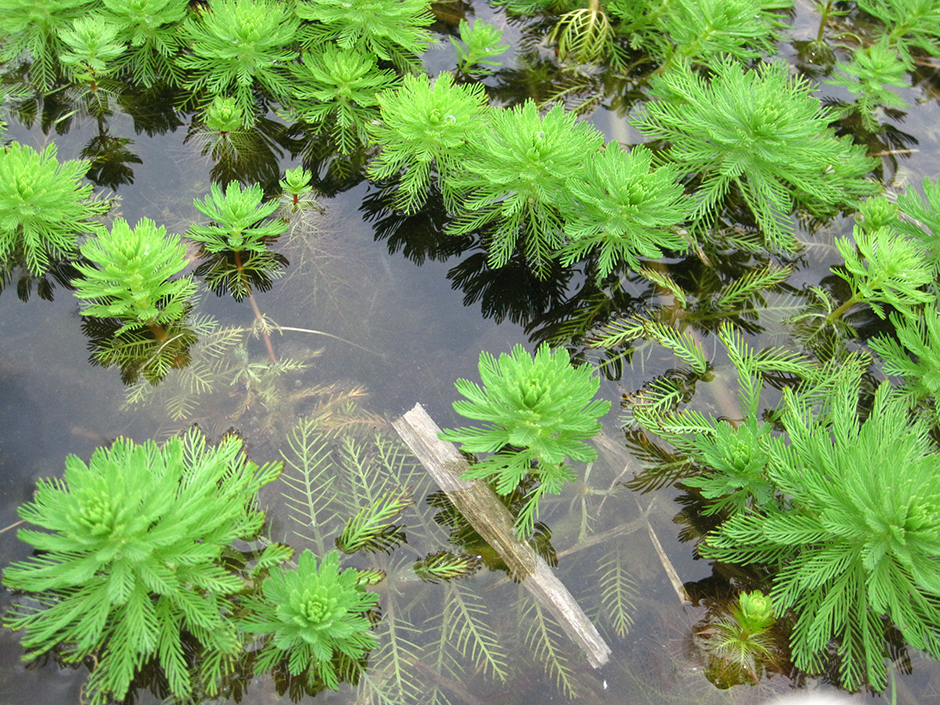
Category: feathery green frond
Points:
column 447, row 566
column 545, row 638
column 427, row 128
column 870, row 73
column 858, row 540
column 312, row 616
column 338, row 90
column 44, row 207
column 624, row 208
column 883, row 267
column 750, row 285
column 701, row 30
column 240, row 45
column 236, row 249
column 922, row 219
column 393, row 30
column 760, row 133
column 915, row 355
column 152, row 30
column 370, row 529
column 131, row 555
column 909, row 24
column 618, row 591
column 33, row 28
column 309, row 478
column 542, row 409
column 682, row 344
column 515, row 178
column 92, row 45
column 465, row 615
column 480, row 43
column 131, row 277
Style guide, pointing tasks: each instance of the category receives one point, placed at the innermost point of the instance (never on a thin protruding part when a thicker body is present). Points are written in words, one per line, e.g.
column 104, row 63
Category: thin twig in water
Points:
column 12, row 526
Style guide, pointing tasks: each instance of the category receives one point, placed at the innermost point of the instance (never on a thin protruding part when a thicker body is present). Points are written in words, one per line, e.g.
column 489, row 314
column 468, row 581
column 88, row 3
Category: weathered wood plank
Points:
column 482, row 508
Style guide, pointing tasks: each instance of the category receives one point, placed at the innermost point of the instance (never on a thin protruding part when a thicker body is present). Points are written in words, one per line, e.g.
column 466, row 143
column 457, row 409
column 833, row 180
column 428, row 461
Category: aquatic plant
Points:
column 336, row 90
column 623, row 209
column 856, row 542
column 32, row 27
column 869, row 75
column 921, row 221
column 297, row 195
column 585, row 36
column 908, row 24
column 131, row 566
column 739, row 642
column 130, row 277
column 446, row 566
column 915, row 354
column 44, row 207
column 370, row 529
column 759, row 134
column 538, row 413
column 882, row 267
column 236, row 248
column 393, row 30
column 92, row 45
column 151, row 30
column 702, row 30
column 427, row 128
column 238, row 46
column 479, row 43
column 514, row 178
column 313, row 618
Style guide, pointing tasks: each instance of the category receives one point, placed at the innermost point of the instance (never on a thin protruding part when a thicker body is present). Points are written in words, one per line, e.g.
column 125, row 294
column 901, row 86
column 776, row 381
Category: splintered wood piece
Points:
column 481, row 507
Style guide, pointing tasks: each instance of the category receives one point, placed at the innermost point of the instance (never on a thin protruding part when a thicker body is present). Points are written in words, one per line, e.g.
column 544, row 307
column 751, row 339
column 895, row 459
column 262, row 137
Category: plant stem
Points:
column 254, row 306
column 823, row 20
column 839, row 312
column 158, row 332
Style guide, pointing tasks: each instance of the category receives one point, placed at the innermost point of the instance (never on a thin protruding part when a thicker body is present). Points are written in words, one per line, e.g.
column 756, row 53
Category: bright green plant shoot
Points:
column 240, row 45
column 623, row 209
column 131, row 280
column 761, row 134
column 427, row 128
column 313, row 619
column 858, row 539
column 479, row 43
column 514, row 180
column 43, row 207
column 131, row 559
column 539, row 411
column 236, row 246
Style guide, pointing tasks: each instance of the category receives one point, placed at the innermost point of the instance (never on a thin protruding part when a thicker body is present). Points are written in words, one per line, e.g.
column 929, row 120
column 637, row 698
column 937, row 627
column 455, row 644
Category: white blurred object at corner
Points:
column 814, row 699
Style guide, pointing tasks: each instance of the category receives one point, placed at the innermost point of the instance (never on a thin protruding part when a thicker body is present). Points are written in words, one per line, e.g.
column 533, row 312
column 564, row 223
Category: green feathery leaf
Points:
column 44, row 207
column 760, row 133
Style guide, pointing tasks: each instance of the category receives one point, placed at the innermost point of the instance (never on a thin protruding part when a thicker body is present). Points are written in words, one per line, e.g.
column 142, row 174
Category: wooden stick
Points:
column 487, row 515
